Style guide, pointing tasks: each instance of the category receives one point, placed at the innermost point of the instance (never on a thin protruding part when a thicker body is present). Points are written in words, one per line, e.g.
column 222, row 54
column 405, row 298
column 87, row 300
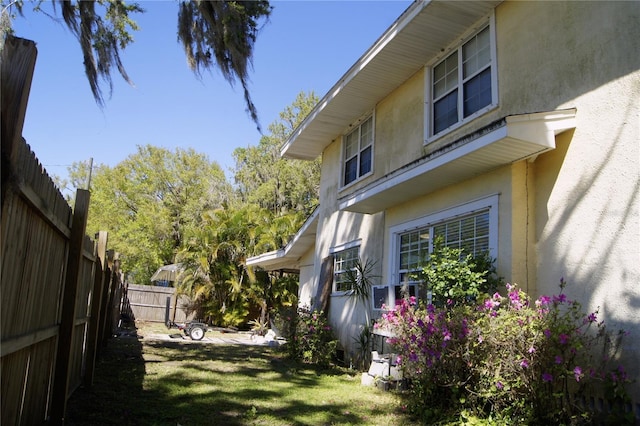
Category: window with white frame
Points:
column 344, row 266
column 463, row 83
column 471, row 227
column 358, row 152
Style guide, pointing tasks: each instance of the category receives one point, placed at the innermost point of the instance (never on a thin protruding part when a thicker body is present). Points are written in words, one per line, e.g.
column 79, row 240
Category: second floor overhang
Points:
column 510, row 139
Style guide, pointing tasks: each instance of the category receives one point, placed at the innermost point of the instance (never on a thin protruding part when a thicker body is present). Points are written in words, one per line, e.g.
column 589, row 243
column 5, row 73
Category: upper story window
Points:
column 358, row 152
column 344, row 267
column 463, row 84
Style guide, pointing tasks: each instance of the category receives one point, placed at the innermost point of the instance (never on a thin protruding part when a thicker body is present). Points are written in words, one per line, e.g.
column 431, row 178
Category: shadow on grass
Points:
column 141, row 382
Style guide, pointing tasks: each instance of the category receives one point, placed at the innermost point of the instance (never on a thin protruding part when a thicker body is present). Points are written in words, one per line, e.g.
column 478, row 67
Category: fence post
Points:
column 18, row 62
column 65, row 335
column 104, row 310
column 96, row 306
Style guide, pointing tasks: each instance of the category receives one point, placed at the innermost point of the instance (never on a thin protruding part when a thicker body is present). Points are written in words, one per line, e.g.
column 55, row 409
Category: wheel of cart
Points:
column 193, row 329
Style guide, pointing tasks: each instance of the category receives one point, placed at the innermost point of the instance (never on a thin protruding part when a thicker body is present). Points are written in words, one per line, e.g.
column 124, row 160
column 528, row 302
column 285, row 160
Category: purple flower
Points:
column 547, row 333
column 577, row 372
column 499, row 385
column 446, row 334
column 561, row 298
column 563, row 338
column 547, row 377
column 543, row 300
column 524, row 363
column 558, row 359
column 592, row 317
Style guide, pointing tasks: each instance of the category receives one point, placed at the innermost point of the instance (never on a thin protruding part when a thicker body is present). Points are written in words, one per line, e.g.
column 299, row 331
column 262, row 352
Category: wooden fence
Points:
column 148, row 303
column 60, row 290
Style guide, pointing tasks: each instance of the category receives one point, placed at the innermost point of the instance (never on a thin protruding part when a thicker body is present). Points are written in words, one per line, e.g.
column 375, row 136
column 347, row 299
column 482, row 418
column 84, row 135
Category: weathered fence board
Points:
column 148, row 303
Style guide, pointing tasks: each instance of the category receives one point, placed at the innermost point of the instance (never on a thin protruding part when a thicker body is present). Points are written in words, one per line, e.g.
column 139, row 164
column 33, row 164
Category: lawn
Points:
column 141, row 380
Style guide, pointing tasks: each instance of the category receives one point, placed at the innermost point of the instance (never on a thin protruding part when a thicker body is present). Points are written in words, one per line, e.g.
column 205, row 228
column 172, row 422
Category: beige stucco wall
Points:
column 586, row 192
column 399, row 132
column 306, row 288
column 336, row 228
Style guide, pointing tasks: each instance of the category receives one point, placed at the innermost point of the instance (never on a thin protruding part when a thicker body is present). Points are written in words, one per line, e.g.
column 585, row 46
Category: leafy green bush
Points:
column 506, row 358
column 455, row 277
column 312, row 339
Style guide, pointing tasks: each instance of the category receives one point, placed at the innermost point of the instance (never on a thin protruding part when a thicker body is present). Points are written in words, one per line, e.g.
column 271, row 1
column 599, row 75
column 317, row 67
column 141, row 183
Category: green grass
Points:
column 151, row 382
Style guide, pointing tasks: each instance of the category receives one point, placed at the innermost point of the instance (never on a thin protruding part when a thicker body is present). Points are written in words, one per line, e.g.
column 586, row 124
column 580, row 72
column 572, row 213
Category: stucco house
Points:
column 512, row 127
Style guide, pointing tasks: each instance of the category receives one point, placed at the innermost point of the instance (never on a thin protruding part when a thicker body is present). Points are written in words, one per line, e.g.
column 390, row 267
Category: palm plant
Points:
column 361, row 278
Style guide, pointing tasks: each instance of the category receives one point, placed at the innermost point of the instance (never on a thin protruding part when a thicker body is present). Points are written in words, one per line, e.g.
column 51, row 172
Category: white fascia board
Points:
column 265, row 258
column 281, row 256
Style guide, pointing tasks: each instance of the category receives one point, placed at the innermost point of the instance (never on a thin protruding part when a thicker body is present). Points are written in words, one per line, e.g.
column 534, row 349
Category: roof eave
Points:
column 417, row 36
column 289, row 256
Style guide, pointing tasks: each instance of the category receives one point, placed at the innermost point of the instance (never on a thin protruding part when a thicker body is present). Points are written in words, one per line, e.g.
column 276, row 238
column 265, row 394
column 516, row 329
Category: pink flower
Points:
column 532, row 350
column 524, row 363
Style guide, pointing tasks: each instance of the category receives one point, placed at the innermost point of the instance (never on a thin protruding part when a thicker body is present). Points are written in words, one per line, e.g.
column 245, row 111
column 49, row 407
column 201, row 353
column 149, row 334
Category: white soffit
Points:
column 417, row 36
column 287, row 257
column 509, row 140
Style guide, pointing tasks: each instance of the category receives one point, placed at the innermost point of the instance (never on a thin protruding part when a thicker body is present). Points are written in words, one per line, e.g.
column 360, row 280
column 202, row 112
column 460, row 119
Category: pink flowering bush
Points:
column 312, row 338
column 506, row 358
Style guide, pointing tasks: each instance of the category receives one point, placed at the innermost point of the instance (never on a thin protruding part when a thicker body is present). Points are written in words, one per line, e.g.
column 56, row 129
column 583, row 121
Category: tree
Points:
column 280, row 185
column 213, row 33
column 213, row 257
column 149, row 201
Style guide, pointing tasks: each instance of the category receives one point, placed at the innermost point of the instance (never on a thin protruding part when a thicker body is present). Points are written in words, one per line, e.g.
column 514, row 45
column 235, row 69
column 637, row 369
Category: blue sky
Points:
column 305, row 46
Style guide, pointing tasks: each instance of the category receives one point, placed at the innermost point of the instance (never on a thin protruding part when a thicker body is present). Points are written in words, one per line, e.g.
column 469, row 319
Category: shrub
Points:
column 455, row 277
column 505, row 358
column 312, row 339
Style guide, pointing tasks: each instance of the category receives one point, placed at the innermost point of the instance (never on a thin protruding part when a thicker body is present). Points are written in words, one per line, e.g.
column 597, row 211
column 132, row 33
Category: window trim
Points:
column 489, row 203
column 343, row 161
column 456, row 47
column 356, row 244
